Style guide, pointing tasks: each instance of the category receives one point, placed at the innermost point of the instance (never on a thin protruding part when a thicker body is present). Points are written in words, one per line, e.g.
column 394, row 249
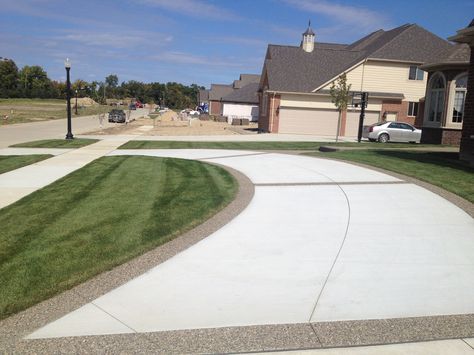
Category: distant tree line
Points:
column 33, row 82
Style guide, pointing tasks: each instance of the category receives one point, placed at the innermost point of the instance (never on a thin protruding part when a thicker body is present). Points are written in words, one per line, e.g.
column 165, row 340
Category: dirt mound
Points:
column 83, row 101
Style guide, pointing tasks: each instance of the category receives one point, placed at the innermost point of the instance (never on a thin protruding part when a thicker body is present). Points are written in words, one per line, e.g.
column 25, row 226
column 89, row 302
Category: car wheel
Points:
column 383, row 138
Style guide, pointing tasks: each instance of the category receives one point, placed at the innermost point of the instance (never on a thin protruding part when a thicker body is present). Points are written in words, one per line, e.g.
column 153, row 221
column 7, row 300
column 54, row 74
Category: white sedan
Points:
column 384, row 132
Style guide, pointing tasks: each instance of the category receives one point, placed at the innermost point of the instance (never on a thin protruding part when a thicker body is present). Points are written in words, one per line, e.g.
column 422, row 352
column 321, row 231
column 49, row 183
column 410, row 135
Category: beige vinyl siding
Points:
column 388, row 77
column 321, row 122
column 319, row 101
column 352, row 121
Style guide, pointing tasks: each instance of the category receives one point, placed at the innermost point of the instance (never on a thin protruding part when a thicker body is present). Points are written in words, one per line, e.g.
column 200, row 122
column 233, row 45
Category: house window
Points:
column 412, row 108
column 436, row 99
column 459, row 99
column 415, row 73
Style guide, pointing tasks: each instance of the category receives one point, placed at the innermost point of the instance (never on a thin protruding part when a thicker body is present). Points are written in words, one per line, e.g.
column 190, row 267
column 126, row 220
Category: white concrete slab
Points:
column 286, row 168
column 266, row 266
column 408, row 253
column 33, row 151
column 470, row 342
column 272, row 167
column 87, row 320
column 18, row 183
column 441, row 347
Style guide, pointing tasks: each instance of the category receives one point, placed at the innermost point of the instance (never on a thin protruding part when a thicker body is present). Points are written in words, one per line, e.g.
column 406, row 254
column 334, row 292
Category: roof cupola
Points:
column 308, row 39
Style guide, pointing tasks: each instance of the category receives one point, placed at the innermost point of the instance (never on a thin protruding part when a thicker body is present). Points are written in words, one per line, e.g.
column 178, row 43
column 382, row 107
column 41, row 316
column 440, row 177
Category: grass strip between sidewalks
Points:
column 57, row 143
column 137, row 144
column 100, row 216
column 442, row 169
column 12, row 162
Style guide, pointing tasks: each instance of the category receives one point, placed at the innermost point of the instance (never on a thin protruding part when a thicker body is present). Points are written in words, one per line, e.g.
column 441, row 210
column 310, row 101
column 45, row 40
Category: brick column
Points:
column 466, row 151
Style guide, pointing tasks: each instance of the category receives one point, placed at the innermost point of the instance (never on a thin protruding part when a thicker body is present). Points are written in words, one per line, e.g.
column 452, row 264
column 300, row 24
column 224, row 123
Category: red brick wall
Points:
column 421, row 113
column 215, row 108
column 401, row 107
column 274, row 112
column 263, row 121
column 432, row 135
column 467, row 143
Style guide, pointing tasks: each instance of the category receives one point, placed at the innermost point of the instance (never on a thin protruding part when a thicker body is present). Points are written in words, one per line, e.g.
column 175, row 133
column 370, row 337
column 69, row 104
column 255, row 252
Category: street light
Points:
column 76, row 102
column 67, row 65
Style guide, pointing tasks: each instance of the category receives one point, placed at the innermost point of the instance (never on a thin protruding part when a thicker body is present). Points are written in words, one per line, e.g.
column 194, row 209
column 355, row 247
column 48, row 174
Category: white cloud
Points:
column 194, row 8
column 187, row 58
column 344, row 16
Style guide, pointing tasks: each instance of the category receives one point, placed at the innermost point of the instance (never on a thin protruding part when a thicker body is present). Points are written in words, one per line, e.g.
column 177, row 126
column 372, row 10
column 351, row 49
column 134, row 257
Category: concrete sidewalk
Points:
column 18, row 183
column 322, row 244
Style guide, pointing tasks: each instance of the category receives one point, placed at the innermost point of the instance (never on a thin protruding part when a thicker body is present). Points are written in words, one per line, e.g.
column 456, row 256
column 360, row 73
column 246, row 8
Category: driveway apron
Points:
column 320, row 241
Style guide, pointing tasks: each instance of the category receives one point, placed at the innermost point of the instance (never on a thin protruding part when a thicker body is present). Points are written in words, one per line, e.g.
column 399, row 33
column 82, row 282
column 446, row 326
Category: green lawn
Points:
column 12, row 162
column 57, row 143
column 98, row 217
column 261, row 145
column 32, row 110
column 442, row 169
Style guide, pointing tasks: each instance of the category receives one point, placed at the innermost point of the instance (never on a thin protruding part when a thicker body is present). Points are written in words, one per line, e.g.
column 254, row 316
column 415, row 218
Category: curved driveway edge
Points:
column 259, row 337
column 16, row 327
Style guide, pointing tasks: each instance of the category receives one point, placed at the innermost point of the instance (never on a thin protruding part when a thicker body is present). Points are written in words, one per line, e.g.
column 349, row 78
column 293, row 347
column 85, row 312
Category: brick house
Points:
column 295, row 81
column 466, row 151
column 442, row 116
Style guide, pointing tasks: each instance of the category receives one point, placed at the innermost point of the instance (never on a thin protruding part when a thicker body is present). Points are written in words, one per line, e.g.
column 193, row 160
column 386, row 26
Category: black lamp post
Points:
column 76, row 103
column 67, row 65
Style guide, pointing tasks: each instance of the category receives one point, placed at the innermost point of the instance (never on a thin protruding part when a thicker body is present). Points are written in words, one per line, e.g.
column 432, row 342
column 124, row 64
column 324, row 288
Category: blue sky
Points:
column 195, row 41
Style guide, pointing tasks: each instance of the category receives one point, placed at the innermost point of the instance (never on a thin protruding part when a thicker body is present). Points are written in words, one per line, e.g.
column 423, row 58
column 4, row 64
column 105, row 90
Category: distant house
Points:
column 295, row 81
column 237, row 100
column 203, row 97
column 443, row 112
column 216, row 93
column 242, row 102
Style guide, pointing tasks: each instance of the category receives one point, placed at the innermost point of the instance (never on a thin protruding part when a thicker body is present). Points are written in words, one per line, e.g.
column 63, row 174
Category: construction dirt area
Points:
column 171, row 124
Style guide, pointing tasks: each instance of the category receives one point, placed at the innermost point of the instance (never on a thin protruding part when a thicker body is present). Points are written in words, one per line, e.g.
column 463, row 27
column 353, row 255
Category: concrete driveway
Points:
column 320, row 241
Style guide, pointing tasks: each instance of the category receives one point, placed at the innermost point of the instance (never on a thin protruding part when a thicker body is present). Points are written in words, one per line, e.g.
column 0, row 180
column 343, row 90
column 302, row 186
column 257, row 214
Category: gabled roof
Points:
column 246, row 79
column 203, row 95
column 457, row 55
column 289, row 68
column 217, row 91
column 246, row 94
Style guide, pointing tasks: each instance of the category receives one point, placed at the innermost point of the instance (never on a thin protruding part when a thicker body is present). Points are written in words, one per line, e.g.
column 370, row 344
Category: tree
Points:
column 339, row 92
column 34, row 82
column 8, row 78
column 112, row 80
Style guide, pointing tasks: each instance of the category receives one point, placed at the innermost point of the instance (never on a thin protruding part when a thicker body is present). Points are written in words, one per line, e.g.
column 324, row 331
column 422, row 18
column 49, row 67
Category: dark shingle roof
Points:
column 289, row 68
column 246, row 79
column 218, row 91
column 203, row 95
column 246, row 94
column 292, row 69
column 458, row 54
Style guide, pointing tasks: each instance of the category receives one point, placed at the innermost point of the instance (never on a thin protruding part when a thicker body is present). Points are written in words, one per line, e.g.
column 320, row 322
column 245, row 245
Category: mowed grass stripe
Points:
column 98, row 217
column 443, row 169
column 137, row 144
column 57, row 143
column 12, row 162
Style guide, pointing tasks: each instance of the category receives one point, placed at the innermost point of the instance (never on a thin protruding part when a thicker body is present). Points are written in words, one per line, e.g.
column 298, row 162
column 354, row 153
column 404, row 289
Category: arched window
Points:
column 437, row 89
column 459, row 98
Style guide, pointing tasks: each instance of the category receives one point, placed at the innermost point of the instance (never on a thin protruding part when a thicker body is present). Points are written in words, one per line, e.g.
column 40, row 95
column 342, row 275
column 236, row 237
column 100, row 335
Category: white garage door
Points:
column 352, row 121
column 307, row 121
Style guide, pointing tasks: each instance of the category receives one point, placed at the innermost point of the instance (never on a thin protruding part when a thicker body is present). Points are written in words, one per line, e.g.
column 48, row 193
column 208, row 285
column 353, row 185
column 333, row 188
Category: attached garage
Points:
column 352, row 121
column 308, row 121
